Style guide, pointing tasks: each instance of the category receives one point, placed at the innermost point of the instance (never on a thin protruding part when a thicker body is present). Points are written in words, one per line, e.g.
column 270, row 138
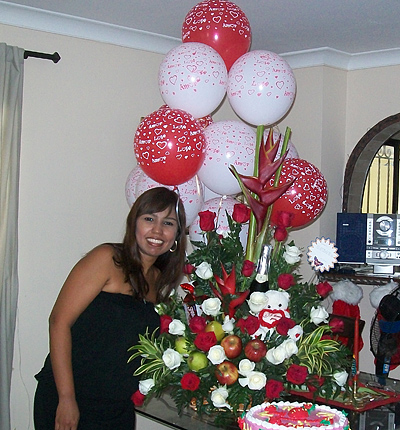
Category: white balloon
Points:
column 227, row 143
column 193, row 77
column 261, row 87
column 190, row 192
column 131, row 183
column 218, row 205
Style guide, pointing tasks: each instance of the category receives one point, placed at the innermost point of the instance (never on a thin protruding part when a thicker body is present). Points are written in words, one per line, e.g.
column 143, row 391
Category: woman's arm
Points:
column 83, row 284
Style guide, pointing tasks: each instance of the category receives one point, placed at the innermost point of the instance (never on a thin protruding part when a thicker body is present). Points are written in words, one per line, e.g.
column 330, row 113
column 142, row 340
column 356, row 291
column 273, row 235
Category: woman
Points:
column 105, row 303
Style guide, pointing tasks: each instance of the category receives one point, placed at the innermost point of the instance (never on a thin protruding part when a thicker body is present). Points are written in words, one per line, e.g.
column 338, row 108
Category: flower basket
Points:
column 222, row 349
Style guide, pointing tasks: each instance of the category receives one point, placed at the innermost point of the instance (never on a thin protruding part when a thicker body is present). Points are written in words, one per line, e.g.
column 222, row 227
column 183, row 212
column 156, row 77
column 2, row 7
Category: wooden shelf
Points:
column 362, row 279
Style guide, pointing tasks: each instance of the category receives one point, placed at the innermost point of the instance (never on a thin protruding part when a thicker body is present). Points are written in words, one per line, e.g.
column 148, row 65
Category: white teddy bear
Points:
column 275, row 307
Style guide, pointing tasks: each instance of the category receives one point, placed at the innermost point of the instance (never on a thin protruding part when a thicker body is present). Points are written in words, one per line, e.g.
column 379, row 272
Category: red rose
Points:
column 284, row 219
column 165, row 321
column 248, row 268
column 241, row 213
column 273, row 388
column 284, row 324
column 314, row 382
column 207, row 220
column 188, row 269
column 138, row 398
column 197, row 324
column 323, row 289
column 190, row 381
column 205, row 340
column 250, row 325
column 280, row 234
column 336, row 325
column 296, row 374
column 285, row 281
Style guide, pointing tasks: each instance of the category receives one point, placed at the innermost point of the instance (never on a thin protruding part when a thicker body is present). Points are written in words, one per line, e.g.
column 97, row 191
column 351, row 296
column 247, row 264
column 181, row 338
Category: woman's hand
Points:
column 67, row 415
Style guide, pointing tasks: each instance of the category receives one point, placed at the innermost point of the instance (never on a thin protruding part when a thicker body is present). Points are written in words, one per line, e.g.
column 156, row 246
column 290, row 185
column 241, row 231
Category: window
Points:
column 381, row 191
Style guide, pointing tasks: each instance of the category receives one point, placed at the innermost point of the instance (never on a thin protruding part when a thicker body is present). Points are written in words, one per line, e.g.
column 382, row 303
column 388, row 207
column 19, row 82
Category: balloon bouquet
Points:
column 180, row 146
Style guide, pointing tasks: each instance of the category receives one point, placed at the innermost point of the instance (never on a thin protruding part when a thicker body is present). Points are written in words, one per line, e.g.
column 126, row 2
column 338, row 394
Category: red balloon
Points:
column 219, row 24
column 306, row 198
column 169, row 146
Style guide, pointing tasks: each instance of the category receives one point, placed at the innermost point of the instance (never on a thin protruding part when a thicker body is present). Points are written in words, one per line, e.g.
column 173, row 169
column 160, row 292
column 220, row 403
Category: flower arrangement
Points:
column 220, row 347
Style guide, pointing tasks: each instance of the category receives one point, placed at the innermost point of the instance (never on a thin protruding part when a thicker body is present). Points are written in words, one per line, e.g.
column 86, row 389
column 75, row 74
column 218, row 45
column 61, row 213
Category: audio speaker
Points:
column 351, row 237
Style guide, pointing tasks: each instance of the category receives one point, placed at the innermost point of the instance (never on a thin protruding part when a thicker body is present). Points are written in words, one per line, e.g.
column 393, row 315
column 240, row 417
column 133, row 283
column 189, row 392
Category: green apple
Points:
column 197, row 360
column 181, row 345
column 216, row 327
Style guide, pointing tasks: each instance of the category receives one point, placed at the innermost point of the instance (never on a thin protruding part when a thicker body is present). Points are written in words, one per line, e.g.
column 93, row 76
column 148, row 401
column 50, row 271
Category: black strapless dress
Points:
column 104, row 381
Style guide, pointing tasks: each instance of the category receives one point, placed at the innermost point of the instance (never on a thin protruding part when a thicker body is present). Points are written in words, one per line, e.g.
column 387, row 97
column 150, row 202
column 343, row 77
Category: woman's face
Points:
column 156, row 234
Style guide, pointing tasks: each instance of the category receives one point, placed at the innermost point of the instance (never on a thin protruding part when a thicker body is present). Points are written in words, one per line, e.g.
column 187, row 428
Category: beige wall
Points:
column 79, row 119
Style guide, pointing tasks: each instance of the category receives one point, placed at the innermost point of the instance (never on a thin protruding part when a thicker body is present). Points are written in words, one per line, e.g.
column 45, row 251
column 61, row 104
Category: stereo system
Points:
column 369, row 238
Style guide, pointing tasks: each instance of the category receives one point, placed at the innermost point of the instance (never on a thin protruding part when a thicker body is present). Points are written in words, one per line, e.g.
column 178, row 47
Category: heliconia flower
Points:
column 235, row 303
column 259, row 185
column 227, row 285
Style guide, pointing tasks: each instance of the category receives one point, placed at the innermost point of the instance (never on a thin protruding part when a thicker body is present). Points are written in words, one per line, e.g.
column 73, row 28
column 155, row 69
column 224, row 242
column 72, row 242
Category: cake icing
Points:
column 293, row 416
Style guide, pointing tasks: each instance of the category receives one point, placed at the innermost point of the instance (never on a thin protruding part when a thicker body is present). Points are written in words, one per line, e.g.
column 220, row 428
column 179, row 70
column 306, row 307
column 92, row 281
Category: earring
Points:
column 174, row 247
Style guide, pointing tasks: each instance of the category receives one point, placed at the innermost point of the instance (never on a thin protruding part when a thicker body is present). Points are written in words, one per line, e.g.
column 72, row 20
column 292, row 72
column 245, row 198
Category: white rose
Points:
column 219, row 396
column 146, row 385
column 216, row 354
column 172, row 358
column 223, row 231
column 291, row 254
column 246, row 366
column 290, row 347
column 295, row 333
column 340, row 377
column 319, row 315
column 204, row 270
column 276, row 355
column 257, row 380
column 211, row 306
column 228, row 324
column 176, row 328
column 257, row 302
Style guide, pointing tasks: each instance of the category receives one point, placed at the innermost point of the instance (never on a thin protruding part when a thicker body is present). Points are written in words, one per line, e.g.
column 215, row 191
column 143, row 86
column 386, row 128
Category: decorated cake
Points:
column 287, row 416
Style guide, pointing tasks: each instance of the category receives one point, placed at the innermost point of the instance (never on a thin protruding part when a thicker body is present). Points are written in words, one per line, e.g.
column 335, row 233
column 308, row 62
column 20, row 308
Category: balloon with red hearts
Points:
column 169, row 146
column 220, row 24
column 193, row 77
column 261, row 87
column 307, row 196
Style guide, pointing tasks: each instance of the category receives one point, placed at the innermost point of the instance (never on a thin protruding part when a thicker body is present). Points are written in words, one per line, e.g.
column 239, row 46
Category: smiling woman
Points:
column 105, row 304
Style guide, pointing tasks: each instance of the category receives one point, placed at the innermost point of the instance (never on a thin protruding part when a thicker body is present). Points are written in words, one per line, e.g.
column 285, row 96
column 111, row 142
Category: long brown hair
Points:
column 170, row 264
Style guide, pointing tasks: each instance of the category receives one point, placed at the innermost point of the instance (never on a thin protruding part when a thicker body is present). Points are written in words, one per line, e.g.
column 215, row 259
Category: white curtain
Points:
column 11, row 81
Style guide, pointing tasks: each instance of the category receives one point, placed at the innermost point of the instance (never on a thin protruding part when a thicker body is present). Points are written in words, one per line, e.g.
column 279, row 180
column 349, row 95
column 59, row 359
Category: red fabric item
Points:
column 340, row 307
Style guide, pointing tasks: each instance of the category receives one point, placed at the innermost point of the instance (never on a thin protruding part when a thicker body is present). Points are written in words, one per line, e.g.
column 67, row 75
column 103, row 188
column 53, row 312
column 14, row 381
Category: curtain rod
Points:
column 55, row 58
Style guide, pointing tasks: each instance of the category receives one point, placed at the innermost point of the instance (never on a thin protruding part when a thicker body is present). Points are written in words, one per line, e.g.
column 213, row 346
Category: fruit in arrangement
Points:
column 255, row 350
column 181, row 345
column 226, row 373
column 216, row 327
column 197, row 361
column 232, row 345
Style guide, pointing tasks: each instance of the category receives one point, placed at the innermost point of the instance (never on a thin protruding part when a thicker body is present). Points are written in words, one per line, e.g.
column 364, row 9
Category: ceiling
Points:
column 281, row 26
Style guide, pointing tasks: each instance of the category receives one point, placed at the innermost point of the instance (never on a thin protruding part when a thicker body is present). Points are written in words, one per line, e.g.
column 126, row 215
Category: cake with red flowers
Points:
column 293, row 416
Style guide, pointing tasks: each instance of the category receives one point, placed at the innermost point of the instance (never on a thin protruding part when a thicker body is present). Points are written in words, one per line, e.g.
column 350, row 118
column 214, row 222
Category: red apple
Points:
column 232, row 345
column 255, row 350
column 226, row 373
